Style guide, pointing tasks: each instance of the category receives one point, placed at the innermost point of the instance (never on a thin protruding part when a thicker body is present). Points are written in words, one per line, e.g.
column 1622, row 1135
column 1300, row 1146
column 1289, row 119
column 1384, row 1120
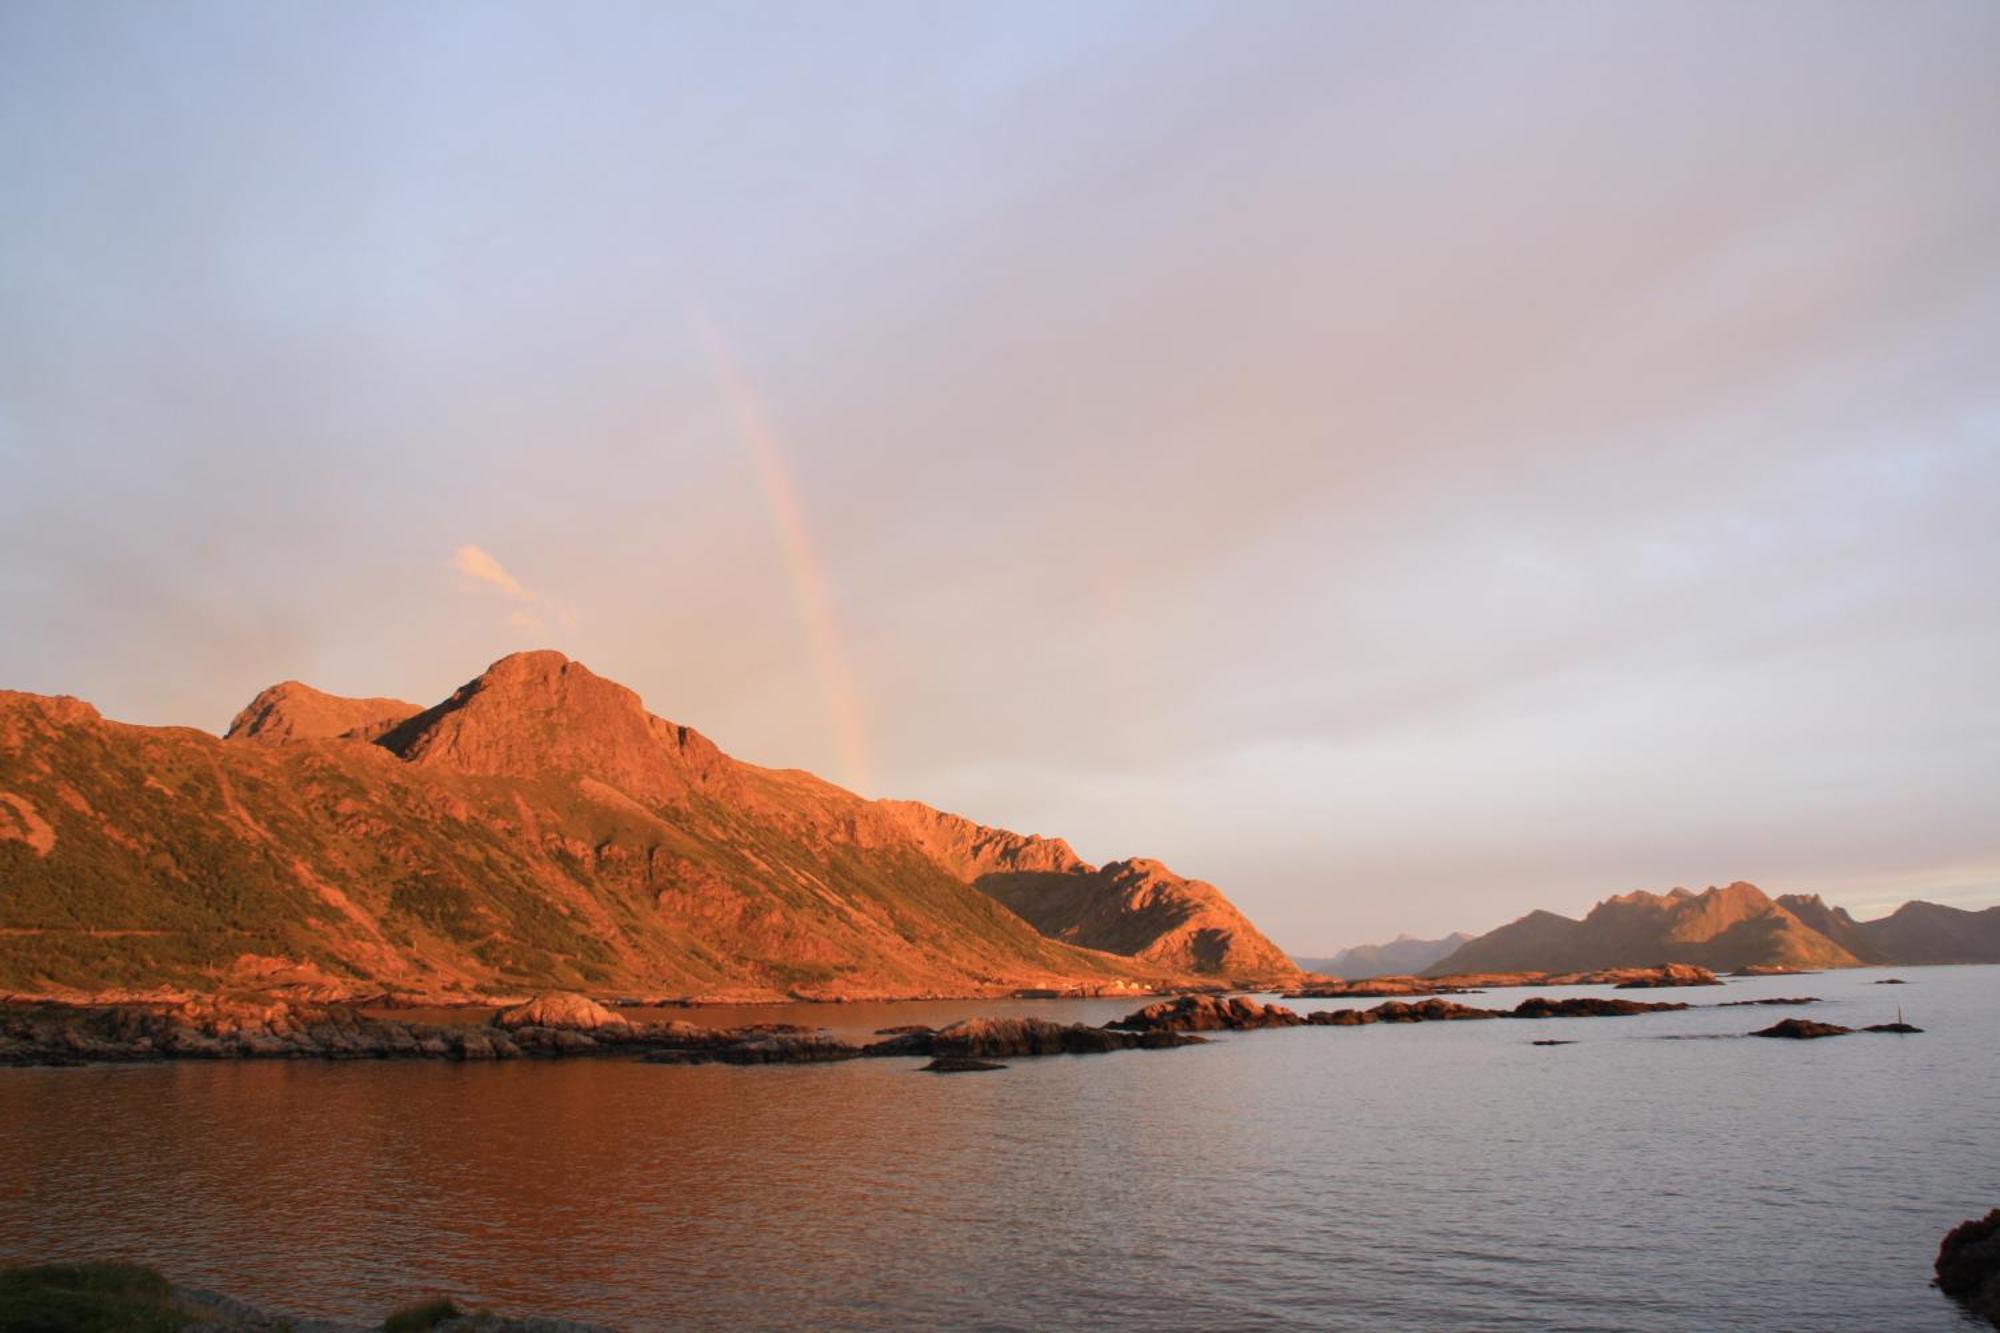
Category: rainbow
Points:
column 808, row 580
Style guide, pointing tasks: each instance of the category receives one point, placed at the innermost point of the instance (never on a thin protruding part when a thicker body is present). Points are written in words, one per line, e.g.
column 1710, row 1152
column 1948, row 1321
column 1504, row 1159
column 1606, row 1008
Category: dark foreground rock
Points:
column 1899, row 1027
column 1802, row 1029
column 1207, row 1013
column 1968, row 1266
column 960, row 1064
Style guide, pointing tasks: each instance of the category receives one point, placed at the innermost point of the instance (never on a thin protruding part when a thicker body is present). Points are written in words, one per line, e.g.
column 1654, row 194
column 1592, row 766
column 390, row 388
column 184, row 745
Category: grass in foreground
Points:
column 423, row 1317
column 88, row 1298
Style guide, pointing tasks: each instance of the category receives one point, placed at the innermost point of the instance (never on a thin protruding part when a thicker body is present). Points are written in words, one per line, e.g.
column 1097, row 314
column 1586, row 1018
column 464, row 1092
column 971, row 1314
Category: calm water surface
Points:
column 1435, row 1176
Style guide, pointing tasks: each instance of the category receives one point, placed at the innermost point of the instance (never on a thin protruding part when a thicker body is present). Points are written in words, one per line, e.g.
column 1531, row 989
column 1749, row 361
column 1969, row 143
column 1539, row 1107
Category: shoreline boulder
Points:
column 1968, row 1266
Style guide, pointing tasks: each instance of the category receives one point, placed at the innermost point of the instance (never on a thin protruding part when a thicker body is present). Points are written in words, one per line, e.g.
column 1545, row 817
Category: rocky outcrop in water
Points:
column 1374, row 988
column 960, row 1064
column 1590, row 1006
column 1398, row 1011
column 1788, row 999
column 578, row 1013
column 1207, row 1013
column 1624, row 978
column 1968, row 1266
column 1802, row 1029
column 1805, row 1029
column 1001, row 1038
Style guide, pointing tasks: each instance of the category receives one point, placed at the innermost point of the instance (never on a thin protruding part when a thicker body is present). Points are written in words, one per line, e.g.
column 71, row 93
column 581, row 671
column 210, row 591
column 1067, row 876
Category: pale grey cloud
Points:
column 1405, row 464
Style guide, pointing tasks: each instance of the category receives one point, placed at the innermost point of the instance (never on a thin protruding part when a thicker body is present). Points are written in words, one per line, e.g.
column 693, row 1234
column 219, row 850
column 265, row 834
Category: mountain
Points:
column 1728, row 928
column 537, row 829
column 1832, row 922
column 1722, row 928
column 1401, row 956
column 1921, row 932
column 291, row 711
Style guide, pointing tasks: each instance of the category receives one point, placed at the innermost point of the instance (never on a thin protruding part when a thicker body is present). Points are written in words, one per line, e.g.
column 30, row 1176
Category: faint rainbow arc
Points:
column 807, row 577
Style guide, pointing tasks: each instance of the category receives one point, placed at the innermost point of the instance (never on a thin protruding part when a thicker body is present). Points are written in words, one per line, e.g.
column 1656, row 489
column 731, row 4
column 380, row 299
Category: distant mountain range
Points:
column 1403, row 955
column 538, row 829
column 1725, row 929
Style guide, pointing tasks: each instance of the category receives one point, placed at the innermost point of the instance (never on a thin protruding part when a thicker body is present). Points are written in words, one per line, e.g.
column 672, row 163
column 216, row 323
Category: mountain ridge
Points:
column 1726, row 928
column 536, row 828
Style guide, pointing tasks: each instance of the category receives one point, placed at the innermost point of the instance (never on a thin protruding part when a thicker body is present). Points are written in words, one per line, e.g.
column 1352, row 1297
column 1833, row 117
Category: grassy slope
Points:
column 176, row 854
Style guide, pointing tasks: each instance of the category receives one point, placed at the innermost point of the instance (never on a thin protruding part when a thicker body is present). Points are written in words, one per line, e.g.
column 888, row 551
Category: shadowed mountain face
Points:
column 1728, row 928
column 539, row 828
column 1920, row 932
column 1401, row 956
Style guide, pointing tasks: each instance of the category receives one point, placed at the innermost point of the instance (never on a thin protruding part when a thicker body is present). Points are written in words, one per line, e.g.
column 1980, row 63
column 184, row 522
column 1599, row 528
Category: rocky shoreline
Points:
column 569, row 1025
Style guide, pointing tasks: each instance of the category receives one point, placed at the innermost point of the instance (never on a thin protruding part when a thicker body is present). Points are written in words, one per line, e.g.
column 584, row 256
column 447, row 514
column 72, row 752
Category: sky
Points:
column 1408, row 465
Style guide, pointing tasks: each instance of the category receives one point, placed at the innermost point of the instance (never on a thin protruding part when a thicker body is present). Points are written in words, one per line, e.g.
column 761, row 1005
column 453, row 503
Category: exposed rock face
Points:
column 291, row 711
column 1788, row 999
column 1207, row 1013
column 1143, row 910
column 971, row 850
column 533, row 715
column 539, row 830
column 1968, row 1266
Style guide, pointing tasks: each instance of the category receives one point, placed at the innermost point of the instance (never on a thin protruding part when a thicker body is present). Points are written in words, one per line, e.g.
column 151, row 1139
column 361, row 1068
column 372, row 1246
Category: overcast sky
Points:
column 1408, row 464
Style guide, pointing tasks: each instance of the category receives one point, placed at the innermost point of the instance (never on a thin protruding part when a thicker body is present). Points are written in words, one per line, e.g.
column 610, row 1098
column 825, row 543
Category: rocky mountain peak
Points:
column 294, row 711
column 538, row 713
